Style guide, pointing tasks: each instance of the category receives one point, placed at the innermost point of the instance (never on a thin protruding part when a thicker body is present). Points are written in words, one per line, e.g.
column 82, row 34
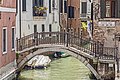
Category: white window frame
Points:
column 82, row 7
column 14, row 39
column 4, row 52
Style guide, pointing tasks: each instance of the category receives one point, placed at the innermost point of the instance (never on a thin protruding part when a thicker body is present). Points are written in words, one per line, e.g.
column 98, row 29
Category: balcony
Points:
column 39, row 11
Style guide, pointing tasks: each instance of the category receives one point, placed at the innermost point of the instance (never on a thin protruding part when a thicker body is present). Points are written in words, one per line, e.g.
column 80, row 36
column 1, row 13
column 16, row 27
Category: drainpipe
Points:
column 20, row 18
column 67, row 23
column 59, row 16
column 92, row 15
column 70, row 20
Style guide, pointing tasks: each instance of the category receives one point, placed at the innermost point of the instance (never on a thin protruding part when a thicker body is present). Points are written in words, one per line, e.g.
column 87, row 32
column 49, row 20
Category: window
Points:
column 35, row 28
column 35, row 2
column 71, row 12
column 41, row 3
column 61, row 6
column 53, row 4
column 4, row 40
column 38, row 3
column 108, row 13
column 109, row 8
column 13, row 38
column 83, row 9
column 1, row 1
column 23, row 5
column 50, row 29
column 35, row 31
column 49, row 6
column 65, row 6
column 0, row 15
column 37, row 10
column 43, row 28
column 16, row 6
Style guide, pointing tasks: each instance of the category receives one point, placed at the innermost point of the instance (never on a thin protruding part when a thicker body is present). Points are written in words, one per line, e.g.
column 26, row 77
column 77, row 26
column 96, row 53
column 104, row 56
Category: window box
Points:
column 39, row 11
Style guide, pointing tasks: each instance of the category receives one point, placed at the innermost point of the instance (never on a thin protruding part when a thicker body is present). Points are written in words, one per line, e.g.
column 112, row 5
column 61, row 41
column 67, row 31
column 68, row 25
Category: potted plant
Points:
column 41, row 11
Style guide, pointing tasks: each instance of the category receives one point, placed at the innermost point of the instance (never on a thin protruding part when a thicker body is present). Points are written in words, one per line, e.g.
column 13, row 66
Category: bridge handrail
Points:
column 91, row 47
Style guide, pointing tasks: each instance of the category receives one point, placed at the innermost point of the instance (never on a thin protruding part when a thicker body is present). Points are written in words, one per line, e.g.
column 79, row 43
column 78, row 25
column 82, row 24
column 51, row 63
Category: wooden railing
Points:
column 91, row 47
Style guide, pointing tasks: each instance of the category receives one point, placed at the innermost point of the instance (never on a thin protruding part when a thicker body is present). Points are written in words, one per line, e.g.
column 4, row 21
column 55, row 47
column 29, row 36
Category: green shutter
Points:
column 102, row 9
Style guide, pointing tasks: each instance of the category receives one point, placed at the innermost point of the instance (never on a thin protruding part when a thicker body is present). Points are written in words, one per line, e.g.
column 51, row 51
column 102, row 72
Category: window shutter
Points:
column 118, row 9
column 43, row 28
column 23, row 5
column 84, row 7
column 34, row 2
column 102, row 9
column 41, row 3
column 61, row 6
column 49, row 6
column 70, row 12
column 65, row 6
column 13, row 38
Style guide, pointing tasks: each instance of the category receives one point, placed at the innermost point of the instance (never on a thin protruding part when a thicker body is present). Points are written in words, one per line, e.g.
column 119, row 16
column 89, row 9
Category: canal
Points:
column 60, row 69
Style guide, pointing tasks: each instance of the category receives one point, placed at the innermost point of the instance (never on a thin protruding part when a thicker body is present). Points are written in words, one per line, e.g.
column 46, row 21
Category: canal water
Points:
column 60, row 69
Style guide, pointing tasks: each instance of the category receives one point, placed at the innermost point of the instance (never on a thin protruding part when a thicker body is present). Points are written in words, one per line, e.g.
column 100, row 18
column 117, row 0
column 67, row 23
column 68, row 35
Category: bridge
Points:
column 98, row 59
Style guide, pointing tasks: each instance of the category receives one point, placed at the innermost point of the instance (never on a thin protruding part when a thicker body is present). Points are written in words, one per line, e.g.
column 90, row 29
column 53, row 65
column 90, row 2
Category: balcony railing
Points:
column 39, row 11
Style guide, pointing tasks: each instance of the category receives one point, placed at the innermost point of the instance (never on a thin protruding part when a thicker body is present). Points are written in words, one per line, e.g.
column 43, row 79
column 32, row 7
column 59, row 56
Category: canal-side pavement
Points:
column 8, row 72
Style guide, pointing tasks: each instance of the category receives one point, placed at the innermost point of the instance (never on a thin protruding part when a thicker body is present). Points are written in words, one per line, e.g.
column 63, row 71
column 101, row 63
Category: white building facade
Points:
column 37, row 16
column 85, row 9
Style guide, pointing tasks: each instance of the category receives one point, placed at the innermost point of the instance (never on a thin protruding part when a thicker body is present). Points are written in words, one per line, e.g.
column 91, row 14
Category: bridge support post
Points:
column 36, row 38
column 67, row 40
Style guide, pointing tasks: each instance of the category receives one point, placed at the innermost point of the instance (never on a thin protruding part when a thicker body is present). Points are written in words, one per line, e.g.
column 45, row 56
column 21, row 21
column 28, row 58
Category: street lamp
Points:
column 20, row 18
column 69, row 15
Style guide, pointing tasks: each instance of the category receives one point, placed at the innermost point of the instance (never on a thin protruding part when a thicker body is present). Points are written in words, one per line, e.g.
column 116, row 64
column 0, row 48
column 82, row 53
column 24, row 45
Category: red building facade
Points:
column 7, row 38
column 70, row 15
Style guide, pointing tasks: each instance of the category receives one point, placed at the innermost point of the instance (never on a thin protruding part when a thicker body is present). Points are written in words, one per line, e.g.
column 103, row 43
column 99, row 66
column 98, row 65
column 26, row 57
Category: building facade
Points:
column 63, row 14
column 85, row 12
column 85, row 9
column 73, row 16
column 7, row 39
column 107, row 20
column 106, row 25
column 70, row 15
column 37, row 16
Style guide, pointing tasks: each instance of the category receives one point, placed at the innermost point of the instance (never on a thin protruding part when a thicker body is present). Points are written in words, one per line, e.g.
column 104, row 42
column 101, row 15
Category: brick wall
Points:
column 8, row 3
column 75, row 22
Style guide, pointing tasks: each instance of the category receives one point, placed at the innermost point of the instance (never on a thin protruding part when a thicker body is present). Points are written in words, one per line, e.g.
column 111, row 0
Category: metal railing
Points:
column 91, row 47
